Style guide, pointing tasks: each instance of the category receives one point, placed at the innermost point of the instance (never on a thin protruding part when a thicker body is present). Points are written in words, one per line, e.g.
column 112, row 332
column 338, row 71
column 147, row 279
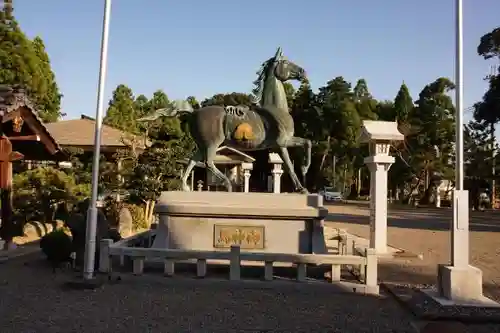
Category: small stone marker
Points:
column 125, row 224
column 77, row 223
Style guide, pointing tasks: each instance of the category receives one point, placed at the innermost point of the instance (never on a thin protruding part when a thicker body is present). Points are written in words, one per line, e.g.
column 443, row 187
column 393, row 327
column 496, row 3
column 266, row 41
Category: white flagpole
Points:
column 90, row 243
column 459, row 90
column 460, row 226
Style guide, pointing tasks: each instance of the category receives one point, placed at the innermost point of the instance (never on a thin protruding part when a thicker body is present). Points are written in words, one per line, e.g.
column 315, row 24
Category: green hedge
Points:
column 57, row 246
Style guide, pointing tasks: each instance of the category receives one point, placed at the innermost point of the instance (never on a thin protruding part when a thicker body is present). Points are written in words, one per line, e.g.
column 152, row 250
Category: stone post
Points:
column 438, row 197
column 247, row 172
column 119, row 177
column 379, row 135
column 104, row 257
column 277, row 171
column 378, row 166
column 436, row 181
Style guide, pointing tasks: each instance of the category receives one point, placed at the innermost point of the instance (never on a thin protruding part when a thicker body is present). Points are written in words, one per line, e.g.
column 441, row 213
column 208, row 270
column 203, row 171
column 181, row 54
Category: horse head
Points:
column 276, row 69
column 285, row 69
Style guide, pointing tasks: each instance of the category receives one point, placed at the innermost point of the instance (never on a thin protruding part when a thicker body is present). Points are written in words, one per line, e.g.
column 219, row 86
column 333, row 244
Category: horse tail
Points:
column 176, row 109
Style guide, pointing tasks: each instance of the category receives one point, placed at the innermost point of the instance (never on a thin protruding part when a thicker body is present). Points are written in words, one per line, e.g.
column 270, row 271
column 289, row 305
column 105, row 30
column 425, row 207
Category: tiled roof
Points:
column 80, row 132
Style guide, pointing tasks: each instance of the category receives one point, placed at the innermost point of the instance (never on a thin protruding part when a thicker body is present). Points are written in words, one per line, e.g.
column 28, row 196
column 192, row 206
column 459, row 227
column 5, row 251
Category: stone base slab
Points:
column 427, row 305
column 460, row 285
column 481, row 301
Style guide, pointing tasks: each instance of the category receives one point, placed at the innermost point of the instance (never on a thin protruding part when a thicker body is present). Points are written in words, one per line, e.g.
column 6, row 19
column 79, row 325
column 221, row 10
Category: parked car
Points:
column 331, row 195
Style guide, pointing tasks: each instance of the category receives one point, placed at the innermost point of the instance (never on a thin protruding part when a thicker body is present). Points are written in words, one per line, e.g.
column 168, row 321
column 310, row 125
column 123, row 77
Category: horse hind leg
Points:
column 209, row 163
column 306, row 144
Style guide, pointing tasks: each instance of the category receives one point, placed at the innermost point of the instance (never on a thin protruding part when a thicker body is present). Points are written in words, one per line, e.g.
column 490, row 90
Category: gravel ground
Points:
column 426, row 231
column 32, row 299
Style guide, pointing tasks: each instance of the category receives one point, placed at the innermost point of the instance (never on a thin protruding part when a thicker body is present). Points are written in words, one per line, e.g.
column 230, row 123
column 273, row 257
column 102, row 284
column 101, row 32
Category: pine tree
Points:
column 366, row 105
column 121, row 110
column 26, row 63
column 403, row 104
column 51, row 98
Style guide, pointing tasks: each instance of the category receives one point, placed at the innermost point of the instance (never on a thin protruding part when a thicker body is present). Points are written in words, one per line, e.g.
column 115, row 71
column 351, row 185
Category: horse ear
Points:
column 279, row 53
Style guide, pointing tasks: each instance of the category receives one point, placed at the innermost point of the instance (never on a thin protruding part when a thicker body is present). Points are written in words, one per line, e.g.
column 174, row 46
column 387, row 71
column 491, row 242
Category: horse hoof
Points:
column 304, row 191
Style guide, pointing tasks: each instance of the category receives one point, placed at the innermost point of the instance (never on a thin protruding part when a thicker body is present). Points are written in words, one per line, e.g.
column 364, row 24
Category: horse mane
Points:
column 262, row 76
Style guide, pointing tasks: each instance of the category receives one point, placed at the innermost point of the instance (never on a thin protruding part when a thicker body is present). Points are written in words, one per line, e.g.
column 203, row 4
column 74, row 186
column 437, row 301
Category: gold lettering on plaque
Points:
column 247, row 237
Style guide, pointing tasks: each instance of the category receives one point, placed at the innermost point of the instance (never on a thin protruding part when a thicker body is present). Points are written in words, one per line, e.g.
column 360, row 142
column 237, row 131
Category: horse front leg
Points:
column 197, row 156
column 306, row 144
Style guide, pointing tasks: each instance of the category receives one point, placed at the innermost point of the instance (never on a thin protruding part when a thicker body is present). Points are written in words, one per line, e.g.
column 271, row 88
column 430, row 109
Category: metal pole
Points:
column 90, row 244
column 334, row 172
column 459, row 77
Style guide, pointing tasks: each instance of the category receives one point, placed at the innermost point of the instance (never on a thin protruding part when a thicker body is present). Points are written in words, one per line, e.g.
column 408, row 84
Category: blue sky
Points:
column 199, row 47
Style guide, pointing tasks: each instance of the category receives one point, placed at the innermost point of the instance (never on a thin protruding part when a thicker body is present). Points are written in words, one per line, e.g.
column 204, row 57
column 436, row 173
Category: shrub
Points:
column 57, row 246
column 138, row 216
column 38, row 193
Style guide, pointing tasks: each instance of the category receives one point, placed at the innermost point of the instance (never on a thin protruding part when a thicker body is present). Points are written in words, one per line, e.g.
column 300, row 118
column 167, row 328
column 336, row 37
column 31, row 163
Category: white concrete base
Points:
column 483, row 301
column 461, row 285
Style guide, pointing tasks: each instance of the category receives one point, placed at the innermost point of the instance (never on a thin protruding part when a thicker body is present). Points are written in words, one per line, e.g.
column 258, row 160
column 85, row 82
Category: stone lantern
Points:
column 379, row 135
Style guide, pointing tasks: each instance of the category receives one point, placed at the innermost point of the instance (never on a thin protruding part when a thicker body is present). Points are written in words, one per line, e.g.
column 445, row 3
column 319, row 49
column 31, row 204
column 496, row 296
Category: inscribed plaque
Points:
column 247, row 237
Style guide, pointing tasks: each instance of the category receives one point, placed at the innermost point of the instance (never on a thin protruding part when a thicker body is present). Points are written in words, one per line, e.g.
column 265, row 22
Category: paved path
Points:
column 426, row 231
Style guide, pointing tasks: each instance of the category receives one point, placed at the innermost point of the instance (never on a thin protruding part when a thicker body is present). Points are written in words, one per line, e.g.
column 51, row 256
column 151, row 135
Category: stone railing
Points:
column 347, row 246
column 367, row 262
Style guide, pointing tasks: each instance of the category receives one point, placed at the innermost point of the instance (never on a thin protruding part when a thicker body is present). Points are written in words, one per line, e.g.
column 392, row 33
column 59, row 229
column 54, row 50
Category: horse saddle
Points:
column 236, row 110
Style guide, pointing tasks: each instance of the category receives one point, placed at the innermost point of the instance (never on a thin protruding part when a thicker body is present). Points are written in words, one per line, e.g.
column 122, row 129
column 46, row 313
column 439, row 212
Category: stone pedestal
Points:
column 258, row 222
column 379, row 166
column 460, row 282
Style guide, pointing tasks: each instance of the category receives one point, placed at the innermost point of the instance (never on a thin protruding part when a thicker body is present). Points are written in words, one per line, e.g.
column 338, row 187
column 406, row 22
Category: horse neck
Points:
column 274, row 94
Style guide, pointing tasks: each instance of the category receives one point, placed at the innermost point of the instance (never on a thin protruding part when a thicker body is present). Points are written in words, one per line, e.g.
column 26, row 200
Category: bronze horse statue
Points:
column 266, row 124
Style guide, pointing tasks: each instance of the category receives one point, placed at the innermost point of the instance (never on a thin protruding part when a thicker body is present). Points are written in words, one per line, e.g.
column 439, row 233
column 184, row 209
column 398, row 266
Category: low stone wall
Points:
column 34, row 231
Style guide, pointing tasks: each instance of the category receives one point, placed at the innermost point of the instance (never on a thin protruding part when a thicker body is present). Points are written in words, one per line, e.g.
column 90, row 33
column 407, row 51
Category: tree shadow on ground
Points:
column 402, row 274
column 406, row 287
column 421, row 221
